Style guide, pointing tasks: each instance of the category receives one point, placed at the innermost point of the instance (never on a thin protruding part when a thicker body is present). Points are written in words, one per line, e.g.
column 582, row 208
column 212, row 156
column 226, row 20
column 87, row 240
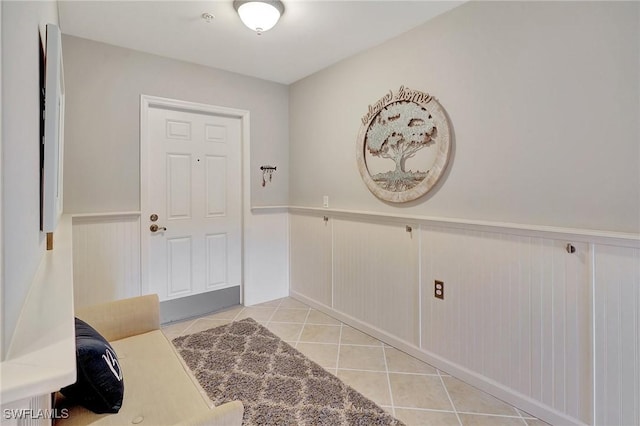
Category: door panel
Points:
column 179, row 265
column 195, row 189
column 178, row 130
column 215, row 133
column 216, row 186
column 216, row 260
column 179, row 186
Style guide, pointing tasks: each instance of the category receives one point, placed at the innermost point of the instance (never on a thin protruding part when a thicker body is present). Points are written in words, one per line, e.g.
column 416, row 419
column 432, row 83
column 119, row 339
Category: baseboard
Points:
column 523, row 402
column 198, row 304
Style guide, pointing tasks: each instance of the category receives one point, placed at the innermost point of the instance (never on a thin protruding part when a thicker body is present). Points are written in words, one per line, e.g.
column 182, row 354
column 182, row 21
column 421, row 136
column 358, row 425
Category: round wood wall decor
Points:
column 403, row 145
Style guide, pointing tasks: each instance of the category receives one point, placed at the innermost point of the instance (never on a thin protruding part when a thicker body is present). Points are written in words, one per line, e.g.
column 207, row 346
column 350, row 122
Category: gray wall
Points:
column 544, row 102
column 22, row 241
column 103, row 88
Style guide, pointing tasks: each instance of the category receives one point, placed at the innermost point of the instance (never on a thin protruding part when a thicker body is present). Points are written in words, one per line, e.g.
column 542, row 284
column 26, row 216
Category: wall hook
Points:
column 267, row 172
column 571, row 248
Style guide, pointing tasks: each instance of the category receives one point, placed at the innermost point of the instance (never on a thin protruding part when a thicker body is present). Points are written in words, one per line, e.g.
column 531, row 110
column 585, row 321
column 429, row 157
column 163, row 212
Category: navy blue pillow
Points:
column 99, row 386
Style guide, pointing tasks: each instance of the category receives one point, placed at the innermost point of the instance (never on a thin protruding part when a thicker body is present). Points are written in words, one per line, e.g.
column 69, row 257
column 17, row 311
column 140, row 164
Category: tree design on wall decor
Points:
column 402, row 131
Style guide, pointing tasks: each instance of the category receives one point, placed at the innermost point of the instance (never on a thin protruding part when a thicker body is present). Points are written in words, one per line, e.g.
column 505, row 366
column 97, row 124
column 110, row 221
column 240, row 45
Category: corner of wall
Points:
column 22, row 242
column 2, row 346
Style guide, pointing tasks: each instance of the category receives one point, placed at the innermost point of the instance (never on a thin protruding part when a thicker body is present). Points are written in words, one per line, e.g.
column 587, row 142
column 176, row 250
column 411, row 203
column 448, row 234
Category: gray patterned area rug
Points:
column 277, row 384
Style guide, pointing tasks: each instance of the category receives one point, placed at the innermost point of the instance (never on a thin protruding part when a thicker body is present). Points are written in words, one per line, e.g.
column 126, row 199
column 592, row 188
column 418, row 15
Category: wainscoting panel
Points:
column 375, row 275
column 310, row 253
column 106, row 258
column 617, row 335
column 547, row 319
column 516, row 310
column 265, row 255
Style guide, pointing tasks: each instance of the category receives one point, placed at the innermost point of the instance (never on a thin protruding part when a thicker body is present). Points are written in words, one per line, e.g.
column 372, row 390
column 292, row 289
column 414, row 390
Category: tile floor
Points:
column 411, row 390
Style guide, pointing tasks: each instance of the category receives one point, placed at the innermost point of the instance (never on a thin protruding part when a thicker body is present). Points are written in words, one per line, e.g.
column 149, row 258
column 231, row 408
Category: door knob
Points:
column 156, row 228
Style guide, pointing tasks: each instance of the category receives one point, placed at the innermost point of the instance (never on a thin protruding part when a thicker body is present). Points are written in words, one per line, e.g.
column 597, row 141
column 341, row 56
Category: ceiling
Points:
column 310, row 36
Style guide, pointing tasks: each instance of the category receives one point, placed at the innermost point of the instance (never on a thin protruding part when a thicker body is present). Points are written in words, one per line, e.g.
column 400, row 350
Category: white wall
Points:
column 103, row 88
column 102, row 160
column 2, row 345
column 543, row 98
column 23, row 243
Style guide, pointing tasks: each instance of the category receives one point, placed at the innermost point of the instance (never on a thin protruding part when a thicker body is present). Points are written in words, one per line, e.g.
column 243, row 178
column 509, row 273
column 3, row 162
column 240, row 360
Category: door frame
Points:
column 146, row 103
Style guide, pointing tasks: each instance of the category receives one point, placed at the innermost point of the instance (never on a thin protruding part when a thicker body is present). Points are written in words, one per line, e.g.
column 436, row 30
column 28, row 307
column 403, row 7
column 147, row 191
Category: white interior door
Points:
column 194, row 188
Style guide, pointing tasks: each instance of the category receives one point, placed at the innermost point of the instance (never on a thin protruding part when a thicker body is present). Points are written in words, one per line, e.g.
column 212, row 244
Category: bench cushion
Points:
column 158, row 391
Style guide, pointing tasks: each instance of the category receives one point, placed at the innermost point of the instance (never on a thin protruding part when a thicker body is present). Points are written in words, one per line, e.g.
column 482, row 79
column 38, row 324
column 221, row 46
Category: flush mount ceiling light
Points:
column 259, row 15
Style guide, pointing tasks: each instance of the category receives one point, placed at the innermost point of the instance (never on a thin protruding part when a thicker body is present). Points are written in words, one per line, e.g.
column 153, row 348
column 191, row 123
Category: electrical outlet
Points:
column 325, row 201
column 438, row 289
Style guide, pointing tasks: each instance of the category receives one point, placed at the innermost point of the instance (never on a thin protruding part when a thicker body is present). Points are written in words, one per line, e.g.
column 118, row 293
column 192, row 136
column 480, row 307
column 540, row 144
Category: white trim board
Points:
column 620, row 239
column 105, row 215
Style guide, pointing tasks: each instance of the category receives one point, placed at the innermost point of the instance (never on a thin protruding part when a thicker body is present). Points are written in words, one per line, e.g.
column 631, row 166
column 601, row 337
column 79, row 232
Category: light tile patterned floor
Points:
column 413, row 391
